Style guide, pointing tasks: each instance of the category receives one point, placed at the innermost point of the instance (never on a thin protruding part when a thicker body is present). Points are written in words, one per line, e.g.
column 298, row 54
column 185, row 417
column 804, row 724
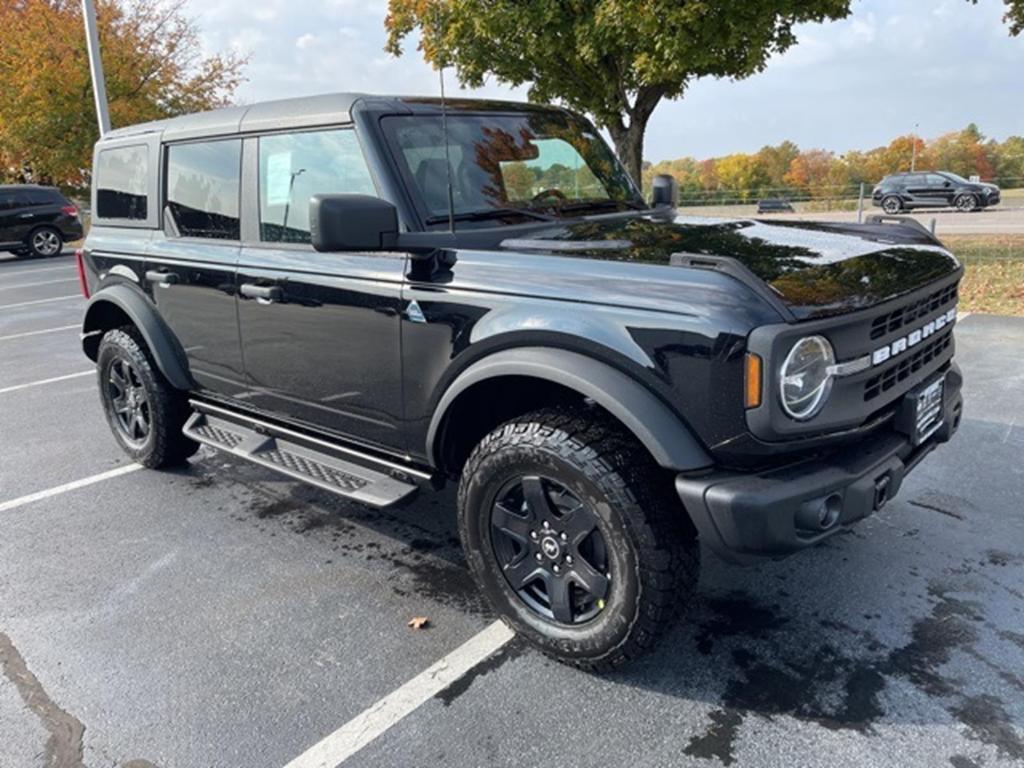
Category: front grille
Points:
column 908, row 313
column 906, row 366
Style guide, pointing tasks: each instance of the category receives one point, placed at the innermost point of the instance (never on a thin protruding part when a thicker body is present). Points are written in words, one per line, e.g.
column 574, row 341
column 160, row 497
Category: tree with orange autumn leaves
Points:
column 154, row 68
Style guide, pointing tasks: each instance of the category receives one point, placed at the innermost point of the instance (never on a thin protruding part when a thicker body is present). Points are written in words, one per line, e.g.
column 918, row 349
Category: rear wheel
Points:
column 575, row 536
column 45, row 242
column 144, row 411
column 966, row 203
column 892, row 205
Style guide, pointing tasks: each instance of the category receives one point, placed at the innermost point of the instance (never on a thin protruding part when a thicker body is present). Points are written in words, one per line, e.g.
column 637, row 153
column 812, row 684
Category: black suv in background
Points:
column 376, row 295
column 934, row 189
column 36, row 220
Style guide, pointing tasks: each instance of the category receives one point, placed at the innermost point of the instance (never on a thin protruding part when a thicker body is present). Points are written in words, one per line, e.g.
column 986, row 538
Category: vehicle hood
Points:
column 816, row 268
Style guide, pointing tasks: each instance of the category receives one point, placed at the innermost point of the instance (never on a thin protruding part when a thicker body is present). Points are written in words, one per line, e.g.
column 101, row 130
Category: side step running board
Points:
column 296, row 456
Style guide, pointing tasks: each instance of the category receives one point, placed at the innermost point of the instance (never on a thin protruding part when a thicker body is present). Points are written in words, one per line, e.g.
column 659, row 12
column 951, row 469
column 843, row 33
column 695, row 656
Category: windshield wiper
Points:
column 490, row 213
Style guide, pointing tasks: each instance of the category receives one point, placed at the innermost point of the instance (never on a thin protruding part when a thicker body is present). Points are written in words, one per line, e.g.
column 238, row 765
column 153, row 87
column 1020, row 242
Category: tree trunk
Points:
column 629, row 146
column 629, row 140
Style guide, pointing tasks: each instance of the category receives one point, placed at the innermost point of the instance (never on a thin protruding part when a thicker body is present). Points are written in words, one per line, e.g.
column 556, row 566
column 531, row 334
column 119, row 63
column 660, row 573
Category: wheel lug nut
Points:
column 539, row 557
column 546, row 525
column 564, row 537
column 533, row 535
column 568, row 559
column 556, row 569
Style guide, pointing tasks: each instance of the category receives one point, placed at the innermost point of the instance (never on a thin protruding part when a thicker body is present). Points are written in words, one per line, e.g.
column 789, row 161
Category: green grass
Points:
column 994, row 272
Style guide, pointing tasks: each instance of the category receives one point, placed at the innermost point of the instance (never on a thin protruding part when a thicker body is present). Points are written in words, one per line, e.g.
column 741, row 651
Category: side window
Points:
column 121, row 178
column 7, row 202
column 40, row 197
column 203, row 182
column 934, row 180
column 296, row 166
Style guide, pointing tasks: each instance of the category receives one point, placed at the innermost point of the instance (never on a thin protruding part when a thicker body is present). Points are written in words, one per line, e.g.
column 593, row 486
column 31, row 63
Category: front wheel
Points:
column 966, row 203
column 576, row 537
column 144, row 411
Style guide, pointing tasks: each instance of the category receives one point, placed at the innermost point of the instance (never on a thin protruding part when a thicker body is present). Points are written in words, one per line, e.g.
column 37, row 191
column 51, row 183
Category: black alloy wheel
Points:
column 129, row 401
column 551, row 550
column 145, row 412
column 575, row 536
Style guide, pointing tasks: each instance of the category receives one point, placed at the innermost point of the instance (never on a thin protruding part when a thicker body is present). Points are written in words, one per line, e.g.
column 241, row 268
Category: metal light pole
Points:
column 913, row 144
column 99, row 84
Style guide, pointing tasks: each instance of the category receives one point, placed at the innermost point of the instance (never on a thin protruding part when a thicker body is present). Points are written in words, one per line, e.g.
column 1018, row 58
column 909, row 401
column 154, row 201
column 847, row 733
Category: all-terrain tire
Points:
column 123, row 356
column 651, row 546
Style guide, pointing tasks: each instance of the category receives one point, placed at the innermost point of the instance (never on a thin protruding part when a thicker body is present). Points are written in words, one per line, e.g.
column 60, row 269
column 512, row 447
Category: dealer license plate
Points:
column 928, row 410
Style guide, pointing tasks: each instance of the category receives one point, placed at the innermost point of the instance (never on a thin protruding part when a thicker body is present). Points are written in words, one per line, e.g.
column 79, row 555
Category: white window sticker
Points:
column 279, row 178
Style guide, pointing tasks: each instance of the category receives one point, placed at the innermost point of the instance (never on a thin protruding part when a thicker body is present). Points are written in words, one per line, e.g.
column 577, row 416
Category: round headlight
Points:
column 805, row 379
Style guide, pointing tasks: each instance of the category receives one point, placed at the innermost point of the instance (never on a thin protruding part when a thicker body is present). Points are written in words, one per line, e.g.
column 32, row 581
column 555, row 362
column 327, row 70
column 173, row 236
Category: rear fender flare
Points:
column 167, row 352
column 650, row 420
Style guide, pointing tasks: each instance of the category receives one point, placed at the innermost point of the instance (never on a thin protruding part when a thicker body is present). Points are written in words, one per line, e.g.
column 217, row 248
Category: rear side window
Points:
column 42, row 197
column 296, row 166
column 122, row 175
column 203, row 182
column 7, row 201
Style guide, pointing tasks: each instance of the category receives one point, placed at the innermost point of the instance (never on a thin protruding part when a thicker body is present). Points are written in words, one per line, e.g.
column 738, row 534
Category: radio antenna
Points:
column 447, row 154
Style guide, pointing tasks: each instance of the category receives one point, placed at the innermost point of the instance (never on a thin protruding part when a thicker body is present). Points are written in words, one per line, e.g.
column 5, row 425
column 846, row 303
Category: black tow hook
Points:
column 882, row 491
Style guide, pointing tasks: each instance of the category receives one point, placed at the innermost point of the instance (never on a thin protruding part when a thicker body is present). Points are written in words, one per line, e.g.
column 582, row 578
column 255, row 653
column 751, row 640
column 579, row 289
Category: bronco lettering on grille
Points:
column 902, row 344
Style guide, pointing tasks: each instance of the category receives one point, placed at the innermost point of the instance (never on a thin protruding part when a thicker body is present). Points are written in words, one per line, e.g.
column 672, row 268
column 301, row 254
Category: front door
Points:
column 320, row 331
column 917, row 189
column 190, row 267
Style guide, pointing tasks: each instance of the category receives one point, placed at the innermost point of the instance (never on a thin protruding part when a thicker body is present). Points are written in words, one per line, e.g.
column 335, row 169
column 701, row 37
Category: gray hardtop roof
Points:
column 302, row 112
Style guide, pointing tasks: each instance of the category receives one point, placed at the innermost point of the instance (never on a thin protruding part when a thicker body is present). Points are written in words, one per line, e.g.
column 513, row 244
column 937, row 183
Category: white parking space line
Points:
column 372, row 722
column 7, row 506
column 40, row 301
column 69, row 267
column 55, row 379
column 38, row 333
column 34, row 285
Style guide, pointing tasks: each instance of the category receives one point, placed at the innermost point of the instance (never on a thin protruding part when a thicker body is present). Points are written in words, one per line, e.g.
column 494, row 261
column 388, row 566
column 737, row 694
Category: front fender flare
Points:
column 167, row 352
column 652, row 422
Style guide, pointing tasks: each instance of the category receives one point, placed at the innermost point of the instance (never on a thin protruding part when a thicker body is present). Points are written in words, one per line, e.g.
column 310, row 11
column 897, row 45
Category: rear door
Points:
column 190, row 264
column 917, row 188
column 320, row 331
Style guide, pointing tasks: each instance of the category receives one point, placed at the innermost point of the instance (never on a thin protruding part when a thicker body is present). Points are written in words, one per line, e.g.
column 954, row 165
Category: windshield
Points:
column 508, row 166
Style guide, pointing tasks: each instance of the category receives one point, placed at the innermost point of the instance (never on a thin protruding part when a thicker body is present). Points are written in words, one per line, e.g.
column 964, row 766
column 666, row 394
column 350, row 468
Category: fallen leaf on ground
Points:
column 419, row 622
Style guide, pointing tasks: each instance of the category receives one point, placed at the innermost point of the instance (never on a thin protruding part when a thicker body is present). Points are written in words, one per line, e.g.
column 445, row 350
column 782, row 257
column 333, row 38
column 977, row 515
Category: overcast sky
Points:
column 852, row 84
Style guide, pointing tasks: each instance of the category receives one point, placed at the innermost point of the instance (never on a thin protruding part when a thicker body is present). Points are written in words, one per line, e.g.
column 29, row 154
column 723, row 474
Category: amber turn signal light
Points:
column 752, row 381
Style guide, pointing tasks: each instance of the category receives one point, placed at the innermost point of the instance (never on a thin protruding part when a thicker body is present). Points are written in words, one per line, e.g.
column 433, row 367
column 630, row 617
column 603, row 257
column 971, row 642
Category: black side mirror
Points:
column 352, row 223
column 664, row 191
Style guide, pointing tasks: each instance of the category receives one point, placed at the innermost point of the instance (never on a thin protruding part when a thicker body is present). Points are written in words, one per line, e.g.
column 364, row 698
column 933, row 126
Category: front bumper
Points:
column 775, row 513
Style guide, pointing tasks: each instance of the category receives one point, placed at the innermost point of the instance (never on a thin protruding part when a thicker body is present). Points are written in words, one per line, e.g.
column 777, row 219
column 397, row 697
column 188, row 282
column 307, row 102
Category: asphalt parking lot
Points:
column 222, row 616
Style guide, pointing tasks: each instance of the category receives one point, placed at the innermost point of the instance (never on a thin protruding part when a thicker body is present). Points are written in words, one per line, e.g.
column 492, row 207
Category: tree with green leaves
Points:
column 613, row 59
column 155, row 67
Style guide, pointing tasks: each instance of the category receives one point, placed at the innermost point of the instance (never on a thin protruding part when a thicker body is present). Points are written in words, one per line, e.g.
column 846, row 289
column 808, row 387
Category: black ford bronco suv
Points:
column 379, row 294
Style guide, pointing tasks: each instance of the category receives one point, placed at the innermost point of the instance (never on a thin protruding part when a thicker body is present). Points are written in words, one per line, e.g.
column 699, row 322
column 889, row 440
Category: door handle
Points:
column 161, row 278
column 264, row 294
column 26, row 215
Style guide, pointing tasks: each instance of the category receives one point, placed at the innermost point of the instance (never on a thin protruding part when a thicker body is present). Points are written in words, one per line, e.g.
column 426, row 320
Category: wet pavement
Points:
column 223, row 616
